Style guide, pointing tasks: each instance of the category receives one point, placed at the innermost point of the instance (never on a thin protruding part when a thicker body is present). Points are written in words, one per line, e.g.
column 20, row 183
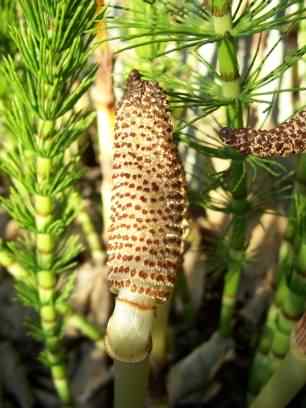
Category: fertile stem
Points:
column 131, row 384
column 148, row 208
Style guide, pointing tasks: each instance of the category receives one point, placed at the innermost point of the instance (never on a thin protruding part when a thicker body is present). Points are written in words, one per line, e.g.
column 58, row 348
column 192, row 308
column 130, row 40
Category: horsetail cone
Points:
column 283, row 140
column 299, row 335
column 147, row 214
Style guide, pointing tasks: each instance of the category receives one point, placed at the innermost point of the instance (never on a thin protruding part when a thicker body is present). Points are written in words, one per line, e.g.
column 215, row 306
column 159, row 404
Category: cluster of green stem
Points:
column 289, row 301
column 262, row 365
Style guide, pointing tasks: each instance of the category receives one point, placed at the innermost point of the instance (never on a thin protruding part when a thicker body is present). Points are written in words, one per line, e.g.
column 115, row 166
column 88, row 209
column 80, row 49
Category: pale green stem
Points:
column 131, row 384
column 274, row 343
column 285, row 383
column 160, row 333
column 87, row 328
column 89, row 230
column 79, row 322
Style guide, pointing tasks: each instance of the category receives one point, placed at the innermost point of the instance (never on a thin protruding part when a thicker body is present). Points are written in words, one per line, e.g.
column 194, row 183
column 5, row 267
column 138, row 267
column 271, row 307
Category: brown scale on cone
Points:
column 148, row 195
column 300, row 334
column 283, row 140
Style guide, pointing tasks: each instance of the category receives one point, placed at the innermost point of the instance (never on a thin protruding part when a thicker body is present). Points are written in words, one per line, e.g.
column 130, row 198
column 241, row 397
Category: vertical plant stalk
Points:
column 290, row 376
column 148, row 210
column 47, row 280
column 105, row 105
column 160, row 334
column 82, row 209
column 91, row 235
column 229, row 74
column 131, row 383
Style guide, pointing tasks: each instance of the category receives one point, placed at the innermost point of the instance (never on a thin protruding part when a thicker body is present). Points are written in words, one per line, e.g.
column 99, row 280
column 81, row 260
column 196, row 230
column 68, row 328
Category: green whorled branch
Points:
column 8, row 261
column 82, row 324
column 53, row 73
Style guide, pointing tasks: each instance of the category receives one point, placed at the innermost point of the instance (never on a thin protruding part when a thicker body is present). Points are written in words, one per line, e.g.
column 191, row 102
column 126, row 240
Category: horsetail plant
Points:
column 54, row 41
column 145, row 220
column 148, row 210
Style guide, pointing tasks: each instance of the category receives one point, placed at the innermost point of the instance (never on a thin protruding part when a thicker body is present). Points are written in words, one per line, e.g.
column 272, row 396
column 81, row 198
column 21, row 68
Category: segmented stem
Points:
column 289, row 302
column 47, row 281
column 229, row 73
